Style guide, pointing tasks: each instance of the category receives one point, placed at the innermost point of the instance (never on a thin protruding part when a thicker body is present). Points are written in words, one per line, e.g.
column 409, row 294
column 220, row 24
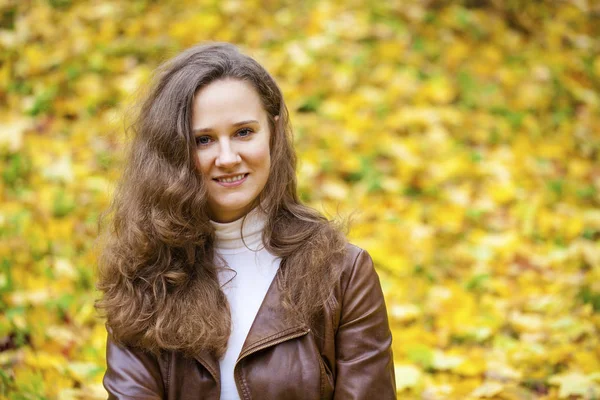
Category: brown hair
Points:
column 156, row 269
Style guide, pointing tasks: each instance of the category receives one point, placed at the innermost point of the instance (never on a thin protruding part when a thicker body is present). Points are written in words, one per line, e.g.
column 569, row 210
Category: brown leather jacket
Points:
column 349, row 357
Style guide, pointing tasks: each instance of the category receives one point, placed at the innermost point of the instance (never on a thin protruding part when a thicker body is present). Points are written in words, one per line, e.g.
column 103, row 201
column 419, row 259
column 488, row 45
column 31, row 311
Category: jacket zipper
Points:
column 259, row 348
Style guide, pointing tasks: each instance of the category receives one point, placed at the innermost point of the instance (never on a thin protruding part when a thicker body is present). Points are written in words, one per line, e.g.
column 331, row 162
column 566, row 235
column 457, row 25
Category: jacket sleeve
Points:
column 131, row 373
column 364, row 361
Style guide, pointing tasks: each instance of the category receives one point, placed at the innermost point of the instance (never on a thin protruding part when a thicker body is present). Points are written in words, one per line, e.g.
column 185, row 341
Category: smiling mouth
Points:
column 231, row 179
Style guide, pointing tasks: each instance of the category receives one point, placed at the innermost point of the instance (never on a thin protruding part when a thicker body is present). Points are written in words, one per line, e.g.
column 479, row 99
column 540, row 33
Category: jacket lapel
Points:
column 269, row 328
column 210, row 363
column 270, row 325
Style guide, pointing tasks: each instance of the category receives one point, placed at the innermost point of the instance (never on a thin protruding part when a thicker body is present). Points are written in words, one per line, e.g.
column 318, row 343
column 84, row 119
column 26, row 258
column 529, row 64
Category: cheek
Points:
column 266, row 157
column 204, row 163
column 262, row 158
column 266, row 162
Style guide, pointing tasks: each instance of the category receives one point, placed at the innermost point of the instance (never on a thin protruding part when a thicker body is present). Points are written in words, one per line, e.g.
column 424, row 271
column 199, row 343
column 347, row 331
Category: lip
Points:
column 231, row 184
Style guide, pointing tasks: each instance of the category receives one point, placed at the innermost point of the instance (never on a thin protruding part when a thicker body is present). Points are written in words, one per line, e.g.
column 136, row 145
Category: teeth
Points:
column 232, row 179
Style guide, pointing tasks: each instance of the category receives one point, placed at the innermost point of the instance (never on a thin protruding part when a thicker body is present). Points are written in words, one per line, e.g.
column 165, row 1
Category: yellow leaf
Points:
column 407, row 376
column 472, row 366
column 500, row 370
column 11, row 132
column 334, row 190
column 405, row 312
column 61, row 170
column 488, row 390
column 44, row 360
column 502, row 192
column 575, row 384
column 526, row 322
column 26, row 297
column 83, row 371
column 442, row 361
column 63, row 268
column 438, row 91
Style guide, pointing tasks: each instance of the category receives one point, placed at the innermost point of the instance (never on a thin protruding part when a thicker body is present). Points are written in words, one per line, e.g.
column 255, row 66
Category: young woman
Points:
column 218, row 283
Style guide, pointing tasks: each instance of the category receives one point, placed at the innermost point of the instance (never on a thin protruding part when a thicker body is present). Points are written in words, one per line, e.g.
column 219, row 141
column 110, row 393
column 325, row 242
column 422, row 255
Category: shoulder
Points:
column 353, row 251
column 357, row 295
column 356, row 258
column 357, row 271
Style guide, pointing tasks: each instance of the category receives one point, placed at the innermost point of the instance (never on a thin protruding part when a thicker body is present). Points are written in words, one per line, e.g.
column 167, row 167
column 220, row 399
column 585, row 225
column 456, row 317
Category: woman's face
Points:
column 232, row 134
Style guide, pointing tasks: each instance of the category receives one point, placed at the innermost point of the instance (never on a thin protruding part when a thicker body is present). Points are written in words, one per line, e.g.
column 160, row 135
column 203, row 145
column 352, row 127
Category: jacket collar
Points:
column 270, row 324
column 269, row 327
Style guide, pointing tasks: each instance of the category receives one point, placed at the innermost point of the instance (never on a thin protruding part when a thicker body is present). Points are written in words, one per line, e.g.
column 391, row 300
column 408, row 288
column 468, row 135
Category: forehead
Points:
column 225, row 102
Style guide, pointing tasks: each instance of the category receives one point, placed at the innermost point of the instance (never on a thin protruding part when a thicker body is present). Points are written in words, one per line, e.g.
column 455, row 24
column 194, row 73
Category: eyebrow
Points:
column 250, row 121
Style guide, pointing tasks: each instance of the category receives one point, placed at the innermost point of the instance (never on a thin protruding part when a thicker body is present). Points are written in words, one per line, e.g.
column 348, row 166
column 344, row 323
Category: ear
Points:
column 276, row 118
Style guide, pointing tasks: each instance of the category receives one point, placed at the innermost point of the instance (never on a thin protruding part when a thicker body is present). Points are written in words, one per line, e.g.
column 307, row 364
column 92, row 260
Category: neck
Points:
column 245, row 232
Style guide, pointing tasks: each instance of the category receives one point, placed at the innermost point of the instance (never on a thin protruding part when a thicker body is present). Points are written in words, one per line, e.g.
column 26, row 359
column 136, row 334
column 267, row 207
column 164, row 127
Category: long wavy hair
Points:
column 156, row 268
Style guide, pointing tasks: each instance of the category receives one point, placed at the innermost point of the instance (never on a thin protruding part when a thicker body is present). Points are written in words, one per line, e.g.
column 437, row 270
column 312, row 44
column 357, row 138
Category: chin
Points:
column 231, row 211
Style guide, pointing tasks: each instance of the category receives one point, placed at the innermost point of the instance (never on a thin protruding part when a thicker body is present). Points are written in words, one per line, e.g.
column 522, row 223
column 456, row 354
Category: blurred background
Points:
column 463, row 136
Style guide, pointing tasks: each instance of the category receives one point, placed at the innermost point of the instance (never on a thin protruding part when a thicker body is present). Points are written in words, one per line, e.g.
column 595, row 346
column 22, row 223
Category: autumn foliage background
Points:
column 463, row 134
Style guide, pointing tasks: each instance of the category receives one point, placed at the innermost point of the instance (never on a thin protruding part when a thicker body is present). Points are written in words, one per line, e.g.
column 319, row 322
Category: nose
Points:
column 227, row 157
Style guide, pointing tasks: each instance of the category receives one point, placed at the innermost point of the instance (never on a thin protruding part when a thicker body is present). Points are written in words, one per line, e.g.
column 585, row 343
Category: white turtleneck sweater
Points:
column 245, row 285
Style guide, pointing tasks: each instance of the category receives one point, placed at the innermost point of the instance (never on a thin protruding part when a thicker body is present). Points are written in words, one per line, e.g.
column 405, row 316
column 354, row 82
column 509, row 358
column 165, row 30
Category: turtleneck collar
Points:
column 229, row 234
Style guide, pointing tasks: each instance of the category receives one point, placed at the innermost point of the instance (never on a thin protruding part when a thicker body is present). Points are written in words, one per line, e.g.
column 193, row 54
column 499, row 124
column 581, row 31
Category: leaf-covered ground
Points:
column 464, row 136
